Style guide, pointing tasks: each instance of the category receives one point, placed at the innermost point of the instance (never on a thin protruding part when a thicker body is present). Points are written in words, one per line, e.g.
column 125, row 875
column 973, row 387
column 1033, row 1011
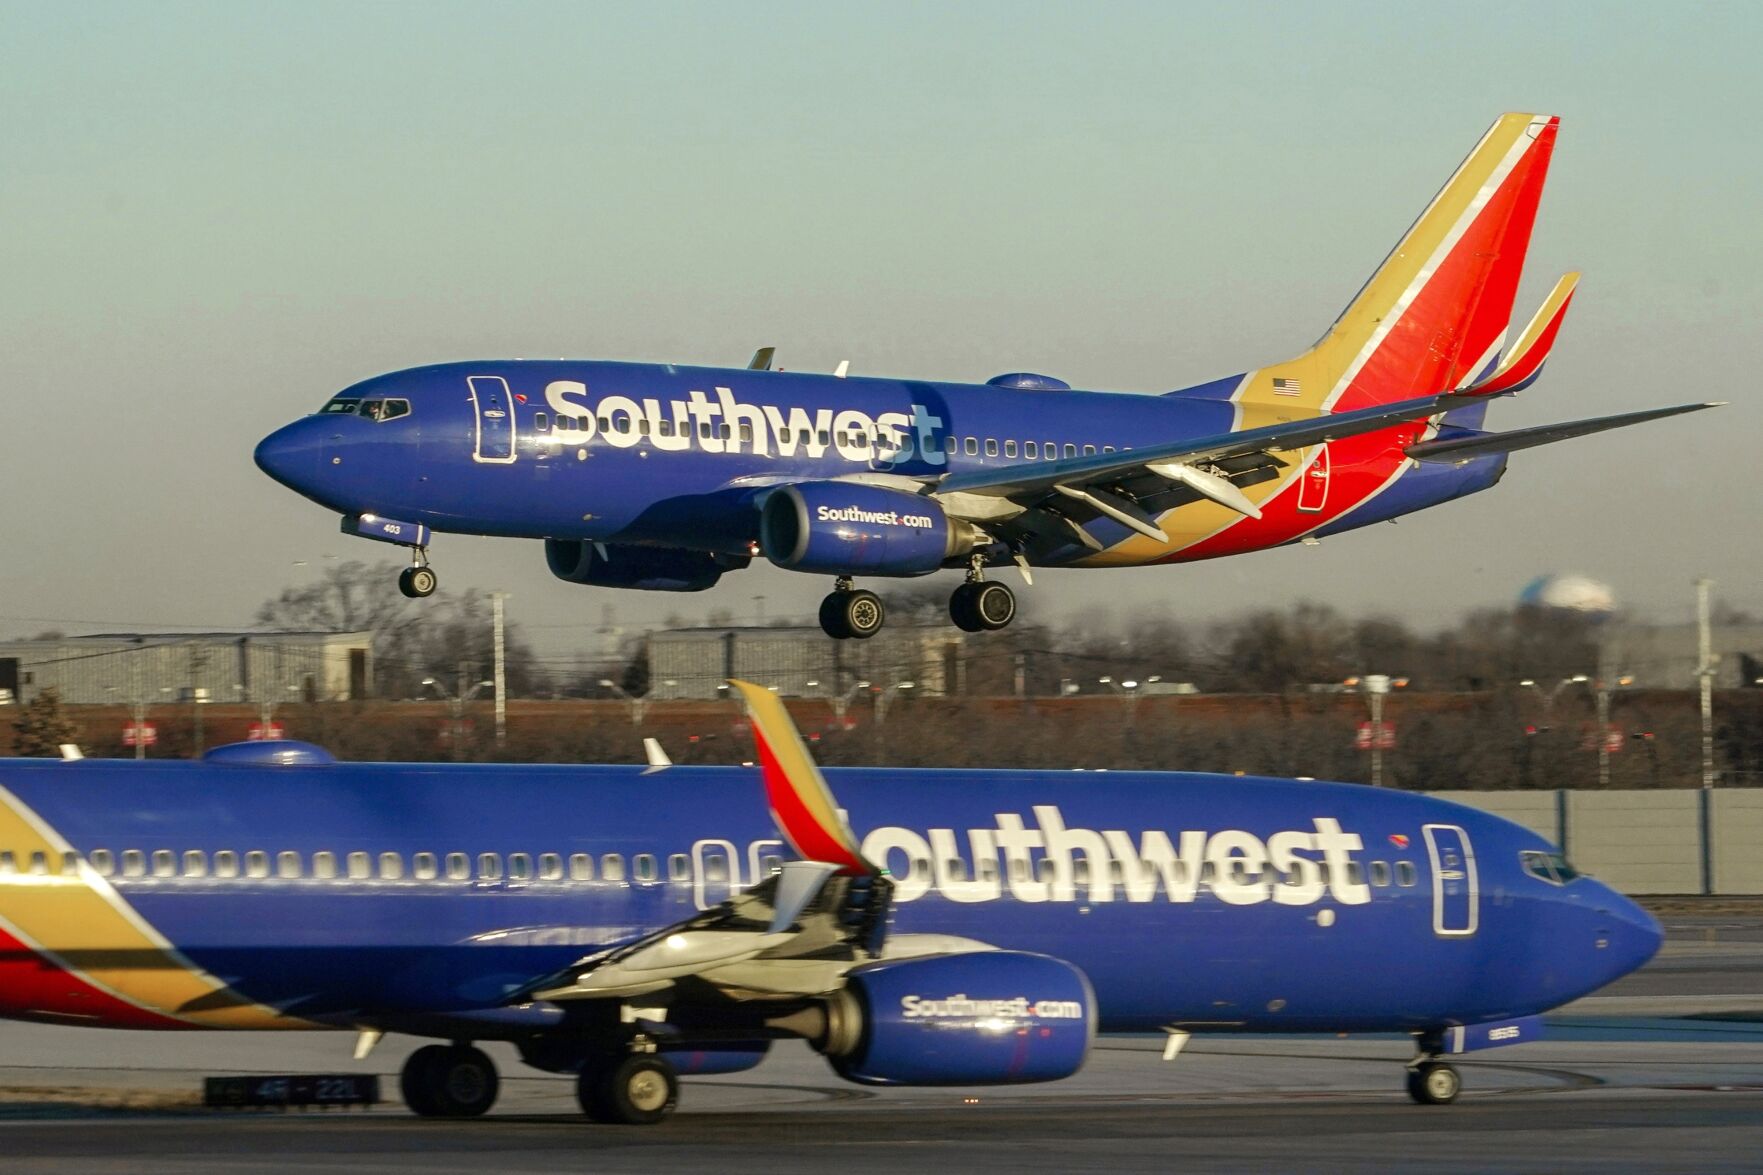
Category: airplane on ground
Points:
column 628, row 924
column 664, row 478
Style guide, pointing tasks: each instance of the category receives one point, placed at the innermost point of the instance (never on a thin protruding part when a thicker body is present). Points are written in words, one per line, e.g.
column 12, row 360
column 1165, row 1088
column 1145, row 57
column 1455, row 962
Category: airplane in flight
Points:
column 629, row 924
column 665, row 478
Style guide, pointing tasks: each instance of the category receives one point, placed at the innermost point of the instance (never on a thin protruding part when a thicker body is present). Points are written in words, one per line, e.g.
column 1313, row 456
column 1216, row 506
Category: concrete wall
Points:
column 1539, row 811
column 1735, row 830
column 1645, row 842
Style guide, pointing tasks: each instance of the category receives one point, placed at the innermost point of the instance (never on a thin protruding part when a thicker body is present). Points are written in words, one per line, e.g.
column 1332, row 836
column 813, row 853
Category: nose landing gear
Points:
column 851, row 613
column 418, row 580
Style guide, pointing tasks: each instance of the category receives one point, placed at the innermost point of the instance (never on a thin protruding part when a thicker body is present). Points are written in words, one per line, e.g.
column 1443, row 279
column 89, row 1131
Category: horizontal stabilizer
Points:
column 1462, row 448
column 1524, row 362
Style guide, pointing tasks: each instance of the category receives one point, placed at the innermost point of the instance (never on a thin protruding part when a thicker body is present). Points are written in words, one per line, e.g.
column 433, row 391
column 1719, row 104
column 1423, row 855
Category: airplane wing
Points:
column 1457, row 449
column 795, row 934
column 1202, row 465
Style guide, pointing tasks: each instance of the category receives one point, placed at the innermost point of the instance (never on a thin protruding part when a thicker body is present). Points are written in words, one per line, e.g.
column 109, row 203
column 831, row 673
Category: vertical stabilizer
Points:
column 1434, row 315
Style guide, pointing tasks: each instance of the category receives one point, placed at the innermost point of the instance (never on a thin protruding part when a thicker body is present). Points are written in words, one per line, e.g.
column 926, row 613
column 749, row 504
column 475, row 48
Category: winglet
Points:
column 1524, row 362
column 800, row 802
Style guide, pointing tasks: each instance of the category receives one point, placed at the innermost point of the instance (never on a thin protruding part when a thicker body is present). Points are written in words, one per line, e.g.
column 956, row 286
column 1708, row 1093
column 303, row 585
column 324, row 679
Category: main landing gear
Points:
column 1433, row 1083
column 449, row 1081
column 979, row 605
column 418, row 580
column 851, row 612
column 630, row 1088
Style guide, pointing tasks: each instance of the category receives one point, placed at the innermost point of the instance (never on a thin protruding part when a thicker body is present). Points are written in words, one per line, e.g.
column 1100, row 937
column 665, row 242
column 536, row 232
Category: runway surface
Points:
column 1662, row 1072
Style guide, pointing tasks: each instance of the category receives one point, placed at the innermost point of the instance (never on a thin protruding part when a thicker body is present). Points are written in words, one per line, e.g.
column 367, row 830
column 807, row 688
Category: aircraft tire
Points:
column 962, row 609
column 1434, row 1083
column 832, row 617
column 636, row 1090
column 449, row 1081
column 994, row 605
column 418, row 582
column 862, row 613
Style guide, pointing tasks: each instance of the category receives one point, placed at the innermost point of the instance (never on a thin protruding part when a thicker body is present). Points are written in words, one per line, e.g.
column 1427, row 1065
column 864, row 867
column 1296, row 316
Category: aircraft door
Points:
column 1313, row 484
column 495, row 419
column 1455, row 894
column 716, row 872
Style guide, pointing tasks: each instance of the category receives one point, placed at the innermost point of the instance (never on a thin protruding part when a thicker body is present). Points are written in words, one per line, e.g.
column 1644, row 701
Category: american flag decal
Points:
column 1287, row 387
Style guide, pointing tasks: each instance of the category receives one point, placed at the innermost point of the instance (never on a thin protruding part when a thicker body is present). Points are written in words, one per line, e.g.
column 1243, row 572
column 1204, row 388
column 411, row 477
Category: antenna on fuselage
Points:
column 762, row 359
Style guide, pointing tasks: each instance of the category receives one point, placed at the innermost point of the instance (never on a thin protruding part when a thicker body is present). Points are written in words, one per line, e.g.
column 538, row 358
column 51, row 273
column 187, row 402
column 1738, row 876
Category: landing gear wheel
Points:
column 638, row 1090
column 981, row 607
column 449, row 1081
column 1434, row 1083
column 863, row 614
column 832, row 616
column 417, row 582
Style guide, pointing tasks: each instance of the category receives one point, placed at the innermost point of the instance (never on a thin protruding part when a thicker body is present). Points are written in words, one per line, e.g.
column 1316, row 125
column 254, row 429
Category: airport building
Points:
column 1665, row 656
column 153, row 668
column 799, row 661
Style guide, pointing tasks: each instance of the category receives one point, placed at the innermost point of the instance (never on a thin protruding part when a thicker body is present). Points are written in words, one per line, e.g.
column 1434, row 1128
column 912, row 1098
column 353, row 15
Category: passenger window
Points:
column 103, row 864
column 667, row 428
column 1009, row 448
column 391, row 867
column 165, row 863
column 581, row 867
column 550, row 867
column 1380, row 873
column 287, row 865
column 746, row 434
column 612, row 867
column 423, row 867
column 1089, row 450
column 1404, row 873
column 257, row 863
column 226, row 863
column 704, row 430
column 605, row 423
column 723, row 431
column 70, row 864
column 458, row 867
column 8, row 862
column 520, row 867
column 40, row 864
column 949, row 444
column 920, row 869
column 1107, row 448
column 643, row 426
column 360, row 866
column 489, row 867
column 324, row 865
column 971, row 446
column 679, row 867
column 715, row 867
column 991, row 447
column 195, row 863
column 1031, row 450
column 805, row 436
column 1071, row 450
column 541, row 422
column 1052, row 451
column 1355, row 873
column 134, row 863
column 644, row 868
column 1080, row 871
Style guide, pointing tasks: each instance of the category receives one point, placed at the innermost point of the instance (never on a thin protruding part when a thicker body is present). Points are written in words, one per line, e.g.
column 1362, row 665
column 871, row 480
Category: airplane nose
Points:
column 1630, row 936
column 290, row 455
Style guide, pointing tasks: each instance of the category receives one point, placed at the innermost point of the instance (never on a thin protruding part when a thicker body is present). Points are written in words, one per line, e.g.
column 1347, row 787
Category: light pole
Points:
column 1376, row 687
column 458, row 700
column 639, row 706
column 1549, row 695
column 839, row 702
column 1605, row 690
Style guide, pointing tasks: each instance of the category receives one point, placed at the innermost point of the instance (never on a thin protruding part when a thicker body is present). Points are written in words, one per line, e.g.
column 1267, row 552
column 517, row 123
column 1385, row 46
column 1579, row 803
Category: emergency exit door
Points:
column 1455, row 897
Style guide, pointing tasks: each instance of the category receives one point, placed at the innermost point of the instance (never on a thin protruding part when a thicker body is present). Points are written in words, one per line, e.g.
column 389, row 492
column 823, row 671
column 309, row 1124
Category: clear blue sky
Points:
column 215, row 215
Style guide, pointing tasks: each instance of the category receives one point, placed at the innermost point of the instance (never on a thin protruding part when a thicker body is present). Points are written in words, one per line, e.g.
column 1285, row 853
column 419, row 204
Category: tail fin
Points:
column 1435, row 313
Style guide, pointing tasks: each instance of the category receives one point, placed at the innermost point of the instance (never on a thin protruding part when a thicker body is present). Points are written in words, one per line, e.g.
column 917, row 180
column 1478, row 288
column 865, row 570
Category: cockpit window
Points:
column 1550, row 867
column 384, row 410
column 345, row 404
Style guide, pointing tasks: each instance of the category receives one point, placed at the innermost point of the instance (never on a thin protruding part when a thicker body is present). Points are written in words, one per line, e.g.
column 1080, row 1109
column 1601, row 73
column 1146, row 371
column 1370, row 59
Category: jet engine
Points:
column 848, row 528
column 984, row 1018
column 653, row 569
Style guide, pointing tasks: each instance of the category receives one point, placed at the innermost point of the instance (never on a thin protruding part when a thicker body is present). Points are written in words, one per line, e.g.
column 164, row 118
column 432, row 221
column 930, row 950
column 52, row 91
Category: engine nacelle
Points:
column 650, row 569
column 985, row 1018
column 848, row 528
